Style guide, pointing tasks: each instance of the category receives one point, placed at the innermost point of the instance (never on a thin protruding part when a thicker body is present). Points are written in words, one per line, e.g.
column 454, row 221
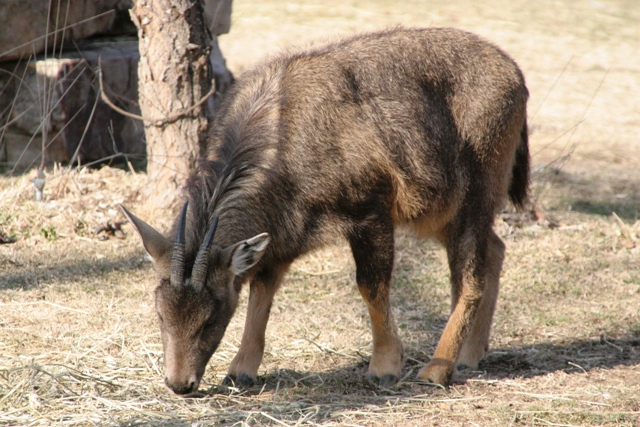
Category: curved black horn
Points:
column 201, row 264
column 177, row 258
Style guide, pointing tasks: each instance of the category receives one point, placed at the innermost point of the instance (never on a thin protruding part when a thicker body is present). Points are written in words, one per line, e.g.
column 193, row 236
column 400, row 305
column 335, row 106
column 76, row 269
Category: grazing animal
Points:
column 423, row 128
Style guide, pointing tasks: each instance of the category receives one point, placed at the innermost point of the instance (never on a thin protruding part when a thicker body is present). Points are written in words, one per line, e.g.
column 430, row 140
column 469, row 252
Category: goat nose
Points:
column 180, row 388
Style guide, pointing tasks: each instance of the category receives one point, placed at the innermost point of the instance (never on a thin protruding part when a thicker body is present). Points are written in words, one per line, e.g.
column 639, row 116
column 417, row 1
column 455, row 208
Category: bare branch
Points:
column 159, row 122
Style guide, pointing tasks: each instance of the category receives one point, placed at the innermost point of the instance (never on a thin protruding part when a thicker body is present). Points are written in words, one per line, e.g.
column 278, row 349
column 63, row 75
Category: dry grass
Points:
column 78, row 340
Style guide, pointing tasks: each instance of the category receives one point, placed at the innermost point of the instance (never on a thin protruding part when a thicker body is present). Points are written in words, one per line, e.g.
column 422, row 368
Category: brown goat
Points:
column 418, row 127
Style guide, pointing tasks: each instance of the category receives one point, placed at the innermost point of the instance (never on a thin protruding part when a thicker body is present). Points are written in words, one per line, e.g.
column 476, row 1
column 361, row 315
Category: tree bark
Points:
column 173, row 79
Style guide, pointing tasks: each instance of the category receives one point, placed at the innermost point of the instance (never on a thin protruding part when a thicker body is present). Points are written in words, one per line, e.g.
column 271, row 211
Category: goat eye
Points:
column 211, row 321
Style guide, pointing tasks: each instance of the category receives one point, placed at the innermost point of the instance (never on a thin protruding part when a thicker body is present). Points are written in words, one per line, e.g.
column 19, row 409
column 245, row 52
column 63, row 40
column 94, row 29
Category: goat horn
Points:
column 201, row 264
column 177, row 258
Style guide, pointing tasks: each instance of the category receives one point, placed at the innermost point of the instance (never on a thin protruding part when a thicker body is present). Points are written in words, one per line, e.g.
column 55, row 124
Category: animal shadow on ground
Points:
column 528, row 361
column 329, row 393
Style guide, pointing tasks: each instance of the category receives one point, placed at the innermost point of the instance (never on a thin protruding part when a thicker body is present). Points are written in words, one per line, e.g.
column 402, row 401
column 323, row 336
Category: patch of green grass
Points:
column 48, row 232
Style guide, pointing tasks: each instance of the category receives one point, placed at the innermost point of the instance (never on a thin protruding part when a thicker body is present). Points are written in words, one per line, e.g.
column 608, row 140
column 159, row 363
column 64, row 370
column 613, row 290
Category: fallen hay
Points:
column 79, row 345
column 52, row 394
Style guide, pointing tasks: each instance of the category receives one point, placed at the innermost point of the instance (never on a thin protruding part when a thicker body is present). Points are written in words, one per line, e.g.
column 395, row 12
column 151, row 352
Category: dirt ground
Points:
column 79, row 344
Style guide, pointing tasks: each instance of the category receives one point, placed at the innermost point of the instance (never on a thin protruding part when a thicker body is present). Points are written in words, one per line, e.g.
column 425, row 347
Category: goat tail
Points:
column 519, row 186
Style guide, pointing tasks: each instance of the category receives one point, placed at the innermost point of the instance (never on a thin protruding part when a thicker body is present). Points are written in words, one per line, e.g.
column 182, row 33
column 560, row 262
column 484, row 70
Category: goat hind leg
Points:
column 477, row 342
column 467, row 261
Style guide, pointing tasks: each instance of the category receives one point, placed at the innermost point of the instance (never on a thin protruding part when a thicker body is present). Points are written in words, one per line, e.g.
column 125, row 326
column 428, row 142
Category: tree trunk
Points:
column 173, row 78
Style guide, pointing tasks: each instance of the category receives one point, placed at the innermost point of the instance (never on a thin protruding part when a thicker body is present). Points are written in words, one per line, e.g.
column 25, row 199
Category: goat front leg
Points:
column 373, row 247
column 243, row 370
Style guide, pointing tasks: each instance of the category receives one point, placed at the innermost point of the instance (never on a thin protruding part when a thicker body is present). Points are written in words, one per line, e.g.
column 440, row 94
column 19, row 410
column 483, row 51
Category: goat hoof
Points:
column 437, row 372
column 240, row 381
column 229, row 380
column 386, row 381
column 244, row 380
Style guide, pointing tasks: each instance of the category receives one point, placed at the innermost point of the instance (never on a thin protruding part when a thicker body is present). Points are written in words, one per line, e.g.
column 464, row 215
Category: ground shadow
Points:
column 27, row 276
column 593, row 195
column 573, row 357
column 627, row 208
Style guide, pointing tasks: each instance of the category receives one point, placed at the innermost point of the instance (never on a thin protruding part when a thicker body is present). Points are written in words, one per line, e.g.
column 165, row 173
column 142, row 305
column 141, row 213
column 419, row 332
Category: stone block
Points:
column 28, row 27
column 58, row 101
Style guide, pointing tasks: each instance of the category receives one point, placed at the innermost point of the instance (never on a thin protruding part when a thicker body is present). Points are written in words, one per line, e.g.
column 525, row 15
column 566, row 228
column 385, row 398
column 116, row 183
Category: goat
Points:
column 423, row 128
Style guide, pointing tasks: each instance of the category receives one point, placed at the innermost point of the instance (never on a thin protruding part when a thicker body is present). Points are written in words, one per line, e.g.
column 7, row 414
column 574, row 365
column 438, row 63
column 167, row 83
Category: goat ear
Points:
column 154, row 243
column 248, row 252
